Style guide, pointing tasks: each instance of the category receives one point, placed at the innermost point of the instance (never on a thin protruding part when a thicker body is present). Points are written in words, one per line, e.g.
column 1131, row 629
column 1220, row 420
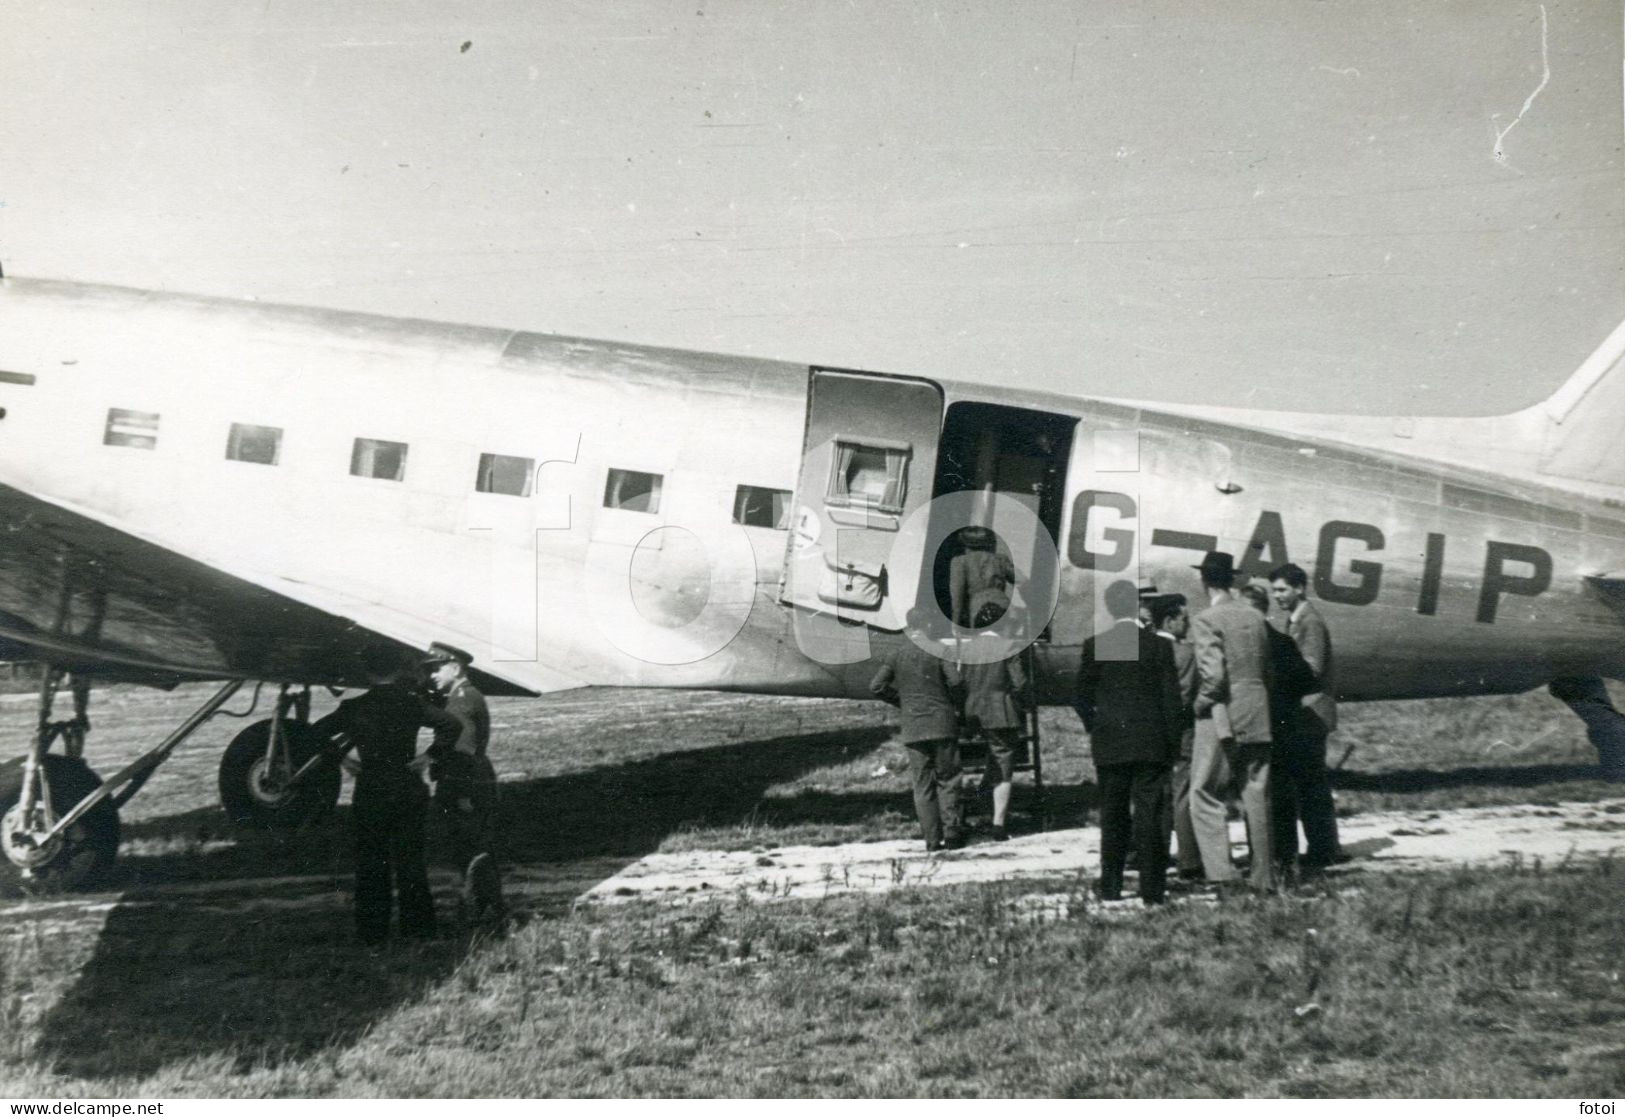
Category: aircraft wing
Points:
column 101, row 601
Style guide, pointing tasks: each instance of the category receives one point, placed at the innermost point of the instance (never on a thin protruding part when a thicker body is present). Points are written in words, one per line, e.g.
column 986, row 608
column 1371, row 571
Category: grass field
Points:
column 1498, row 982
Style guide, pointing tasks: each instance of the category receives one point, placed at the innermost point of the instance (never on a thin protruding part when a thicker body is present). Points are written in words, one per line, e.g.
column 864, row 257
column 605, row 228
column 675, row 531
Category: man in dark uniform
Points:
column 390, row 801
column 1128, row 698
column 465, row 783
column 918, row 682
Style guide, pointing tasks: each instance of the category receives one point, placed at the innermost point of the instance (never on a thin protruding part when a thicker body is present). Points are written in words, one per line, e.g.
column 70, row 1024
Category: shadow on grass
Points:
column 1411, row 780
column 254, row 975
column 256, row 966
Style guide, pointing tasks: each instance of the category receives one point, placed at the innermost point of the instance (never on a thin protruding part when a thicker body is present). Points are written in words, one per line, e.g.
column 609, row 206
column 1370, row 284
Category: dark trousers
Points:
column 469, row 808
column 1134, row 799
column 1301, row 792
column 388, row 811
column 934, row 766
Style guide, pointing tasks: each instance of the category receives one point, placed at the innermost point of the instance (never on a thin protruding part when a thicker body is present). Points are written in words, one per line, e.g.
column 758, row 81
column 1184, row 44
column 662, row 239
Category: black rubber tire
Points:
column 87, row 850
column 313, row 799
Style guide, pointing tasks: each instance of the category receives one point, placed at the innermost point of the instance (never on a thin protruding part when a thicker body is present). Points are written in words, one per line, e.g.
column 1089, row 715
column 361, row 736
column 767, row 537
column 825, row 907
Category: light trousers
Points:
column 1222, row 770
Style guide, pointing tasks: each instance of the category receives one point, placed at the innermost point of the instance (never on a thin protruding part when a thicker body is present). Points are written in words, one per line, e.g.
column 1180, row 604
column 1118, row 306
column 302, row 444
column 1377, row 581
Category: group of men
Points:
column 1178, row 730
column 1181, row 730
column 981, row 692
column 390, row 804
column 930, row 691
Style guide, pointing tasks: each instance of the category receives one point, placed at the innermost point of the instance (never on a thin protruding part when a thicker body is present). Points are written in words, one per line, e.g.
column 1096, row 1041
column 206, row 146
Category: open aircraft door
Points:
column 867, row 463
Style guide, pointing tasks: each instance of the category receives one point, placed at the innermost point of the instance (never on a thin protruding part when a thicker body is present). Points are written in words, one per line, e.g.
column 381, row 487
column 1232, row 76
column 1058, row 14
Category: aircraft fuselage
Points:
column 588, row 513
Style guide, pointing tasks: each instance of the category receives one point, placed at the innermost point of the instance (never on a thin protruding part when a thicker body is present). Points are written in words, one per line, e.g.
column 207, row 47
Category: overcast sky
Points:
column 1388, row 205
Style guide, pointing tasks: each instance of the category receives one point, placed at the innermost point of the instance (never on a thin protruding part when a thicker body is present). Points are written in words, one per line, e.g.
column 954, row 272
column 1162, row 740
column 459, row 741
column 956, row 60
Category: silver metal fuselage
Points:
column 1434, row 579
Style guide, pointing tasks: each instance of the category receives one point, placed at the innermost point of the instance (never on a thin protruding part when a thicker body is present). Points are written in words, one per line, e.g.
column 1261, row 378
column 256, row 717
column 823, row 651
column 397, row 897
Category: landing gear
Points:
column 38, row 859
column 278, row 773
column 60, row 823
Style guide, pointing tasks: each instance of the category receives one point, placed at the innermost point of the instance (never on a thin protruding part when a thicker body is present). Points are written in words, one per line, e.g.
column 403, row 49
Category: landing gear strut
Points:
column 58, row 822
column 280, row 772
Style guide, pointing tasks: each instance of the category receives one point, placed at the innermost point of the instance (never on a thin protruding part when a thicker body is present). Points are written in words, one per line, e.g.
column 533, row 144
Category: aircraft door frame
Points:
column 868, row 460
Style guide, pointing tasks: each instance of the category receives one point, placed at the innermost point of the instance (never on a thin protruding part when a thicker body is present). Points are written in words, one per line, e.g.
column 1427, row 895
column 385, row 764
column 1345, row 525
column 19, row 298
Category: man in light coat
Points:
column 1231, row 753
column 1310, row 723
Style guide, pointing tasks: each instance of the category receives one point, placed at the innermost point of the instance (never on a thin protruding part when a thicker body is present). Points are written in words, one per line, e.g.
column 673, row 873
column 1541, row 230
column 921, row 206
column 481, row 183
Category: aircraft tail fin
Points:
column 1584, row 420
column 1573, row 439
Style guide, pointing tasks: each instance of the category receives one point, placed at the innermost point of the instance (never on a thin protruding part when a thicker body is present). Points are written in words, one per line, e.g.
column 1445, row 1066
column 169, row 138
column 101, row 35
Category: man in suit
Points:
column 995, row 698
column 1231, row 752
column 465, row 782
column 1312, row 721
column 1128, row 698
column 979, row 579
column 1171, row 620
column 918, row 682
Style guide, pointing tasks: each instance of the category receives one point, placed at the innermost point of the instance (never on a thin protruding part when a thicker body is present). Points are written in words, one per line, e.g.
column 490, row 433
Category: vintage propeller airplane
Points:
column 203, row 489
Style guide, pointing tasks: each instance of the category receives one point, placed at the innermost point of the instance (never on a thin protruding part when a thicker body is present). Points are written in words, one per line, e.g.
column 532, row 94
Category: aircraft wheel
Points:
column 254, row 791
column 73, row 858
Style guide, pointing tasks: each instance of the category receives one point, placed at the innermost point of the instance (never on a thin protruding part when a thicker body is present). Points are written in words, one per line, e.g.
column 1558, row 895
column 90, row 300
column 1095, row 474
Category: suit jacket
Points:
column 992, row 689
column 1234, row 668
column 921, row 682
column 1308, row 630
column 1291, row 681
column 1185, row 670
column 383, row 725
column 1131, row 707
column 976, row 578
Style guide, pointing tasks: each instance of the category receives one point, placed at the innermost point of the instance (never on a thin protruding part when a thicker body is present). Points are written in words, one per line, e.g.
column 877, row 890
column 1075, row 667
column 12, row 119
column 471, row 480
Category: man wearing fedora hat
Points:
column 1231, row 751
column 465, row 782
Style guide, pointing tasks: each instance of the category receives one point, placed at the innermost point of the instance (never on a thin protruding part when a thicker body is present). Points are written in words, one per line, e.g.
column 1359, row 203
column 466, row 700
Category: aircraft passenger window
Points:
column 633, row 491
column 374, row 457
column 248, row 443
column 137, row 429
column 758, row 507
column 868, row 474
column 501, row 473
